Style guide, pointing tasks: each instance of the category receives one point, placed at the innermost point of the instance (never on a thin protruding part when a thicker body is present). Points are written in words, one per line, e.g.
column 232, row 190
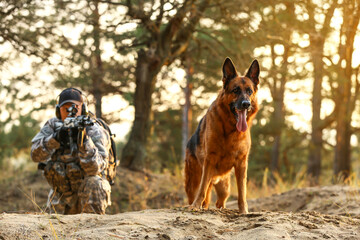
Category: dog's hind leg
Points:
column 205, row 182
column 222, row 191
column 206, row 202
column 193, row 174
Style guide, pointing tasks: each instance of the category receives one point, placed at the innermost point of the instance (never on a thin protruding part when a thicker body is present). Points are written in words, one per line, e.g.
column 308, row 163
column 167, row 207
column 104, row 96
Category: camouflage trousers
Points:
column 72, row 193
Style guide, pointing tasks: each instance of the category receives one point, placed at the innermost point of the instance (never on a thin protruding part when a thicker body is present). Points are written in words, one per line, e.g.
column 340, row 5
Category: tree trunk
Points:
column 342, row 149
column 345, row 102
column 279, row 113
column 187, row 111
column 134, row 152
column 314, row 159
column 278, row 120
column 96, row 61
column 343, row 121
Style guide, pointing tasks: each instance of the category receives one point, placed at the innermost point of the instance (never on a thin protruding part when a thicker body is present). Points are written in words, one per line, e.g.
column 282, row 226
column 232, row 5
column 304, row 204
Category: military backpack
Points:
column 110, row 172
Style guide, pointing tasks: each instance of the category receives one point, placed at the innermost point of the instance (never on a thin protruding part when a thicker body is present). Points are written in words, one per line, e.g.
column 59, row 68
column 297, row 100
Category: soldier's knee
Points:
column 94, row 195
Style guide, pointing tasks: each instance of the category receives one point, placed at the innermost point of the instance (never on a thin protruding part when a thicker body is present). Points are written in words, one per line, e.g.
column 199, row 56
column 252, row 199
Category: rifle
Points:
column 76, row 124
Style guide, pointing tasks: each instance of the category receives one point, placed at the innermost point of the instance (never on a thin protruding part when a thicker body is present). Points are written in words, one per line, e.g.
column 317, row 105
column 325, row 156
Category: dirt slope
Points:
column 181, row 224
column 311, row 213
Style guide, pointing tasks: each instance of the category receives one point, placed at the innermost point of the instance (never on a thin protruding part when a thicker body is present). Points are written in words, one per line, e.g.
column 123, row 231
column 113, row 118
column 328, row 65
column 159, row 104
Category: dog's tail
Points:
column 193, row 173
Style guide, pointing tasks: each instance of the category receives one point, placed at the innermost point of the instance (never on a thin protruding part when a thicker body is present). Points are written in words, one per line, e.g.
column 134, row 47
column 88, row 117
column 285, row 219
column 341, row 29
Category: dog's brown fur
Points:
column 218, row 145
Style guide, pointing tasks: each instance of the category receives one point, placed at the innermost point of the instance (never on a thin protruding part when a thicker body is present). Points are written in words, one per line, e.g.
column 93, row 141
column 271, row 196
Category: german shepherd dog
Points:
column 222, row 141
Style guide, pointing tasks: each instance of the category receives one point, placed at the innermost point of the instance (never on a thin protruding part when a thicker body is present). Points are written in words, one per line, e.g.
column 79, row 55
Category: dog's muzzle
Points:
column 245, row 105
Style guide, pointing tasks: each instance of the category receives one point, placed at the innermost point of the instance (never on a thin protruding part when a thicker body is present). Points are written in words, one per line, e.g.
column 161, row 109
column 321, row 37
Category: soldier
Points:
column 78, row 182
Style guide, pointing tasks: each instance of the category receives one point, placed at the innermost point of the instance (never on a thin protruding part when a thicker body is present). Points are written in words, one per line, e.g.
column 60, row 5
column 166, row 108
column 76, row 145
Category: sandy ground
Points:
column 180, row 224
column 335, row 200
column 311, row 213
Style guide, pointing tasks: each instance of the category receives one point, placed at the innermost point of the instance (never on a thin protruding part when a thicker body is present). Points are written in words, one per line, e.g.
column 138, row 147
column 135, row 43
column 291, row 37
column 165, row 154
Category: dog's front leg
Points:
column 241, row 175
column 204, row 185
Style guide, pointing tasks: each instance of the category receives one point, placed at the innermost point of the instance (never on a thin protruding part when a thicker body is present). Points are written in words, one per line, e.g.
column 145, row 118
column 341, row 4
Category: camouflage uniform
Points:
column 78, row 183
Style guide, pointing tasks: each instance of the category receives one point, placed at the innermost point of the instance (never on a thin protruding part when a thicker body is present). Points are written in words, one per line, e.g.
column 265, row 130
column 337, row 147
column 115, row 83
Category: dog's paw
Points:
column 220, row 204
column 244, row 211
column 191, row 208
column 197, row 204
column 243, row 207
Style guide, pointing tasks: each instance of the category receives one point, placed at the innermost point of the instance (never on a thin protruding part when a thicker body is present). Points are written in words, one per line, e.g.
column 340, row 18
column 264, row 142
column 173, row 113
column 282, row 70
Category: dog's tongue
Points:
column 241, row 124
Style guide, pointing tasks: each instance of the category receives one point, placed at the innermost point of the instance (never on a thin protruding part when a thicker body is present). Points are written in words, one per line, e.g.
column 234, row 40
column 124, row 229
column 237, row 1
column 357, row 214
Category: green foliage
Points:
column 17, row 139
column 17, row 124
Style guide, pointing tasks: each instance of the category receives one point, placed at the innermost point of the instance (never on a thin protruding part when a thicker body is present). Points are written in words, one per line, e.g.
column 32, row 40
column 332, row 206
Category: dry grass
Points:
column 277, row 185
column 55, row 215
column 301, row 180
column 135, row 191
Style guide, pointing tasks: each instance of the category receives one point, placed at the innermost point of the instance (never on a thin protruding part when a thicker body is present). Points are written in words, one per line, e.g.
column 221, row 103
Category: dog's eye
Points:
column 249, row 91
column 236, row 90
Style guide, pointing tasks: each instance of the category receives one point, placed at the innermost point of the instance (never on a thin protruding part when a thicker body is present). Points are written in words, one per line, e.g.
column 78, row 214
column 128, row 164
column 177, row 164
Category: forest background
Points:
column 152, row 68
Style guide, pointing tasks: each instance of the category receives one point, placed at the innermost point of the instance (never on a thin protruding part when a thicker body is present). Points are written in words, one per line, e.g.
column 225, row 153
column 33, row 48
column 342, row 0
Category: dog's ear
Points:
column 229, row 71
column 253, row 72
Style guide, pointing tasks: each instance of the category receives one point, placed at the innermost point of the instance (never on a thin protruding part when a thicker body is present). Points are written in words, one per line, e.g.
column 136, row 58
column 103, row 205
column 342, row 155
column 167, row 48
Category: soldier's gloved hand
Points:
column 88, row 148
column 60, row 134
column 87, row 161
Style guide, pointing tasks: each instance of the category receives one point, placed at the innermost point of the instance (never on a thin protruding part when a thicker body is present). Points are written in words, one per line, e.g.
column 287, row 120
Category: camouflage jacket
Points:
column 93, row 158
